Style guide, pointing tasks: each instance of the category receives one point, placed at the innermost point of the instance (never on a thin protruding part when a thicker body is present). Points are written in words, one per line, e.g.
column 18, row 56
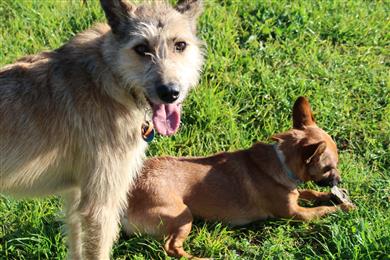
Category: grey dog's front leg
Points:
column 100, row 231
column 100, row 208
column 73, row 221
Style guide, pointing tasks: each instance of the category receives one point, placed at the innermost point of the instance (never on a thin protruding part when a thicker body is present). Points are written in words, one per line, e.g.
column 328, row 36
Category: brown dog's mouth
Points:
column 166, row 117
column 328, row 182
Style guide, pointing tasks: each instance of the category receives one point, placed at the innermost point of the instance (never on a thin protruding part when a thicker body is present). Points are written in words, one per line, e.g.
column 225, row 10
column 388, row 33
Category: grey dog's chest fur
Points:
column 57, row 117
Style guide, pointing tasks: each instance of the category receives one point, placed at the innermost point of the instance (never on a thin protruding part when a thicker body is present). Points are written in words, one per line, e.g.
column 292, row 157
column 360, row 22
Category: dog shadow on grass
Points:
column 215, row 239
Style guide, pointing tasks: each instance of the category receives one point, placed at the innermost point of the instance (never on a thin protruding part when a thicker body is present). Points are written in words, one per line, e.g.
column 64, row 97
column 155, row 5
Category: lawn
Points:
column 261, row 55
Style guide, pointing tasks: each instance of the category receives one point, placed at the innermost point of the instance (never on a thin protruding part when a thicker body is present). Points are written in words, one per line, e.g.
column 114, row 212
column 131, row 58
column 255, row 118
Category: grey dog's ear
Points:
column 119, row 14
column 191, row 8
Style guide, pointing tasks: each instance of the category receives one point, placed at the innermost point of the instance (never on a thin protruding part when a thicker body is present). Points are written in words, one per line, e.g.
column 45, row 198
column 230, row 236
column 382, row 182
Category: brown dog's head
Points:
column 310, row 152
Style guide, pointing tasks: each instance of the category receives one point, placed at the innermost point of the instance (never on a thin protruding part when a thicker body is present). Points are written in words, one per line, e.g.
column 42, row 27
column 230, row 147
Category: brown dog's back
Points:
column 219, row 187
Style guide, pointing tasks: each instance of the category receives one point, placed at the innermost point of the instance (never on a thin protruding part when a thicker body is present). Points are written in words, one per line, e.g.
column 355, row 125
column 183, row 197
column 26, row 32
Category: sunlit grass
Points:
column 261, row 55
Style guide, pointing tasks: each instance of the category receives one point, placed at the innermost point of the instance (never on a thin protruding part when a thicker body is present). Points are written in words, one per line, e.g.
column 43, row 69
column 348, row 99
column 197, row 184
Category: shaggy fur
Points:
column 71, row 118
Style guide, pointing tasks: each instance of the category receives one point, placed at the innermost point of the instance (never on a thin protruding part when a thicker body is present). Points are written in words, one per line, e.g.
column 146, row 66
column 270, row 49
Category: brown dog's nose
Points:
column 168, row 93
column 332, row 180
column 336, row 180
column 335, row 175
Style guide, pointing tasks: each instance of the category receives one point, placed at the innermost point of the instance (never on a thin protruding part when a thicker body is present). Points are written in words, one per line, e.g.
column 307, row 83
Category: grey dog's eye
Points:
column 141, row 49
column 180, row 46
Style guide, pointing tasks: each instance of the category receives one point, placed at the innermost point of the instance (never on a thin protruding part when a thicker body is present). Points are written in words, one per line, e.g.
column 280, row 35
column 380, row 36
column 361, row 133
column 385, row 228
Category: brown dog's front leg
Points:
column 307, row 214
column 315, row 195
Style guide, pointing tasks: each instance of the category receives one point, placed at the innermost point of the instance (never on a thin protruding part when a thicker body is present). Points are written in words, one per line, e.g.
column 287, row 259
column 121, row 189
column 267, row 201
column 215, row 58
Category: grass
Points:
column 261, row 55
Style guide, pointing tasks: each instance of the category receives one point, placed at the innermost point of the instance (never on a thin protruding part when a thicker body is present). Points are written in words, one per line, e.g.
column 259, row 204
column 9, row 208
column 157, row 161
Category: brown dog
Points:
column 237, row 187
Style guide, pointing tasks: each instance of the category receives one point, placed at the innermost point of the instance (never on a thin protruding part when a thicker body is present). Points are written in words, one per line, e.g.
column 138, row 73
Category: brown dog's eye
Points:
column 180, row 46
column 141, row 49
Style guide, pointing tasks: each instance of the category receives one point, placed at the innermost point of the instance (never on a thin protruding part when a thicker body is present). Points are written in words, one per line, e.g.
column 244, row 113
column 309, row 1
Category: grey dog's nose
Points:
column 168, row 92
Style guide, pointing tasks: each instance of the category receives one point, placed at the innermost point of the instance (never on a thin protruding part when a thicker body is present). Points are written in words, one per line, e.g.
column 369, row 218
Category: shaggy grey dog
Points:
column 71, row 118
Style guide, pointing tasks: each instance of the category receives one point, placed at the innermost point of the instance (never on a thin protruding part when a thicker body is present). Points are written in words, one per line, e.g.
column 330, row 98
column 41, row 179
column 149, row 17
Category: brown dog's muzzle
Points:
column 333, row 179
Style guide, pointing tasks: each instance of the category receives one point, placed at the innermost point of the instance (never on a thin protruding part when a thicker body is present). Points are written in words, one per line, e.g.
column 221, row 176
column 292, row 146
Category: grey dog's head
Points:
column 157, row 53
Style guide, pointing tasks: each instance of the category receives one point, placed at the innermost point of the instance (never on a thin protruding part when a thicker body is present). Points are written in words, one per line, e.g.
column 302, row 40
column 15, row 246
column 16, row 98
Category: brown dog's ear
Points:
column 277, row 138
column 191, row 8
column 119, row 14
column 302, row 115
column 313, row 151
column 282, row 137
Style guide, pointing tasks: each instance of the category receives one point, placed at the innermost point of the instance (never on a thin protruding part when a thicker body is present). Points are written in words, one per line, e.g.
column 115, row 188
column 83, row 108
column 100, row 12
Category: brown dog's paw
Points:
column 347, row 207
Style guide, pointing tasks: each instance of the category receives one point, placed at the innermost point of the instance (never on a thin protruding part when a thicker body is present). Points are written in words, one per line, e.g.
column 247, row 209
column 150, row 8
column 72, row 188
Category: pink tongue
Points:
column 166, row 118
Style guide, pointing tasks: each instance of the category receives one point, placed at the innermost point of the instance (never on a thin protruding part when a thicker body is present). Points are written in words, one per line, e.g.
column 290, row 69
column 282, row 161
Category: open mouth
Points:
column 166, row 117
